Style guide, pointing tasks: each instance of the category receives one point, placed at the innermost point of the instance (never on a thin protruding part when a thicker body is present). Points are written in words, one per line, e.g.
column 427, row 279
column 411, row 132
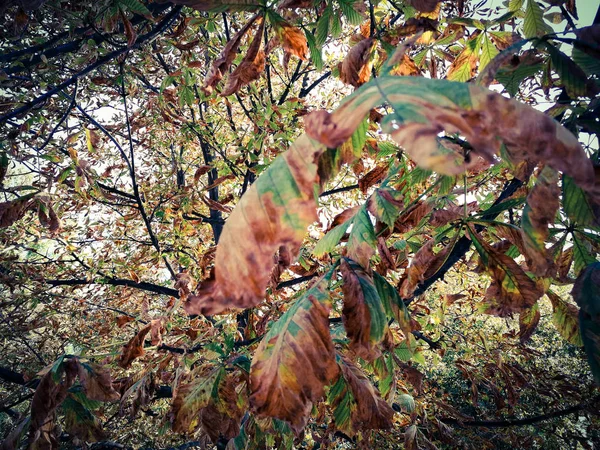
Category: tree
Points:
column 198, row 253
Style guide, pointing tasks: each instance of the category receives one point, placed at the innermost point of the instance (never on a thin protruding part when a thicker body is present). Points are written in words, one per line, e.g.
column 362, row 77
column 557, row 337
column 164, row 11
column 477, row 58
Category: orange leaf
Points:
column 355, row 69
column 293, row 40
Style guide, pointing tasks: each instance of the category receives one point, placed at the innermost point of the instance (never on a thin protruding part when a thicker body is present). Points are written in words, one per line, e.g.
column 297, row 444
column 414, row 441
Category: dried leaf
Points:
column 134, row 348
column 224, row 61
column 372, row 177
column 49, row 394
column 539, row 212
column 12, row 211
column 129, row 30
column 363, row 313
column 276, row 210
column 295, row 360
column 528, row 322
column 423, row 5
column 511, row 290
column 357, row 404
column 355, row 69
column 97, row 382
column 293, row 40
column 209, row 401
column 124, row 320
column 251, row 66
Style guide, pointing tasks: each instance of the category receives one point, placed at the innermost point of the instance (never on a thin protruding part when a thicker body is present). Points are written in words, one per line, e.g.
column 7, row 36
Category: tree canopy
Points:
column 299, row 224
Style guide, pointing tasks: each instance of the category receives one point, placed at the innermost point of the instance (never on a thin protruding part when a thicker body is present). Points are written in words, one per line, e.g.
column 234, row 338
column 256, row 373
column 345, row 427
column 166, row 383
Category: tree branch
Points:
column 164, row 24
column 528, row 421
column 144, row 286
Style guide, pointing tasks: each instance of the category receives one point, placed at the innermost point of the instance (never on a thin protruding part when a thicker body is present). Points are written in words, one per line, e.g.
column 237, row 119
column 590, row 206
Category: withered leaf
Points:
column 275, row 211
column 355, row 69
column 49, row 394
column 528, row 322
column 564, row 317
column 511, row 290
column 224, row 61
column 13, row 210
column 134, row 348
column 295, row 360
column 357, row 404
column 251, row 66
column 539, row 212
column 293, row 40
column 97, row 382
column 363, row 314
column 423, row 5
column 209, row 401
column 372, row 177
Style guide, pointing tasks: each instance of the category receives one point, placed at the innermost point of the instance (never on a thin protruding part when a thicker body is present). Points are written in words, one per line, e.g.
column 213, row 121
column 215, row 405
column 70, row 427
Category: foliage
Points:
column 299, row 223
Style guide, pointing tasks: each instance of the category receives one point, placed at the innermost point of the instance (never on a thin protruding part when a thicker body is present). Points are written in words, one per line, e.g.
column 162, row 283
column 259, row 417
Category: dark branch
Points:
column 164, row 24
column 528, row 421
column 144, row 286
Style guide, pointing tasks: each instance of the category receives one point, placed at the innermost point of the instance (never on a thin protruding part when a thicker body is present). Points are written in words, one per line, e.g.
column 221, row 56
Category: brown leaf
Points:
column 342, row 217
column 250, row 68
column 295, row 360
column 258, row 227
column 185, row 284
column 407, row 67
column 372, row 177
column 225, row 59
column 129, row 30
column 49, row 394
column 12, row 211
column 134, row 348
column 590, row 37
column 528, row 322
column 358, row 313
column 412, row 216
column 355, row 69
column 97, row 383
column 124, row 320
column 423, row 5
column 371, row 411
column 293, row 40
column 511, row 290
column 538, row 214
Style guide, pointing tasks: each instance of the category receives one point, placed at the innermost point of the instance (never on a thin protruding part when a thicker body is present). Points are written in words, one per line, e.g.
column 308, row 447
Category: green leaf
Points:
column 586, row 293
column 576, row 203
column 407, row 403
column 136, row 7
column 392, row 303
column 582, row 253
column 564, row 317
column 322, row 28
column 515, row 5
column 350, row 12
column 572, row 76
column 511, row 78
column 385, row 204
column 362, row 240
column 534, row 24
column 331, row 239
column 316, row 55
column 589, row 64
column 359, row 138
column 488, row 51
